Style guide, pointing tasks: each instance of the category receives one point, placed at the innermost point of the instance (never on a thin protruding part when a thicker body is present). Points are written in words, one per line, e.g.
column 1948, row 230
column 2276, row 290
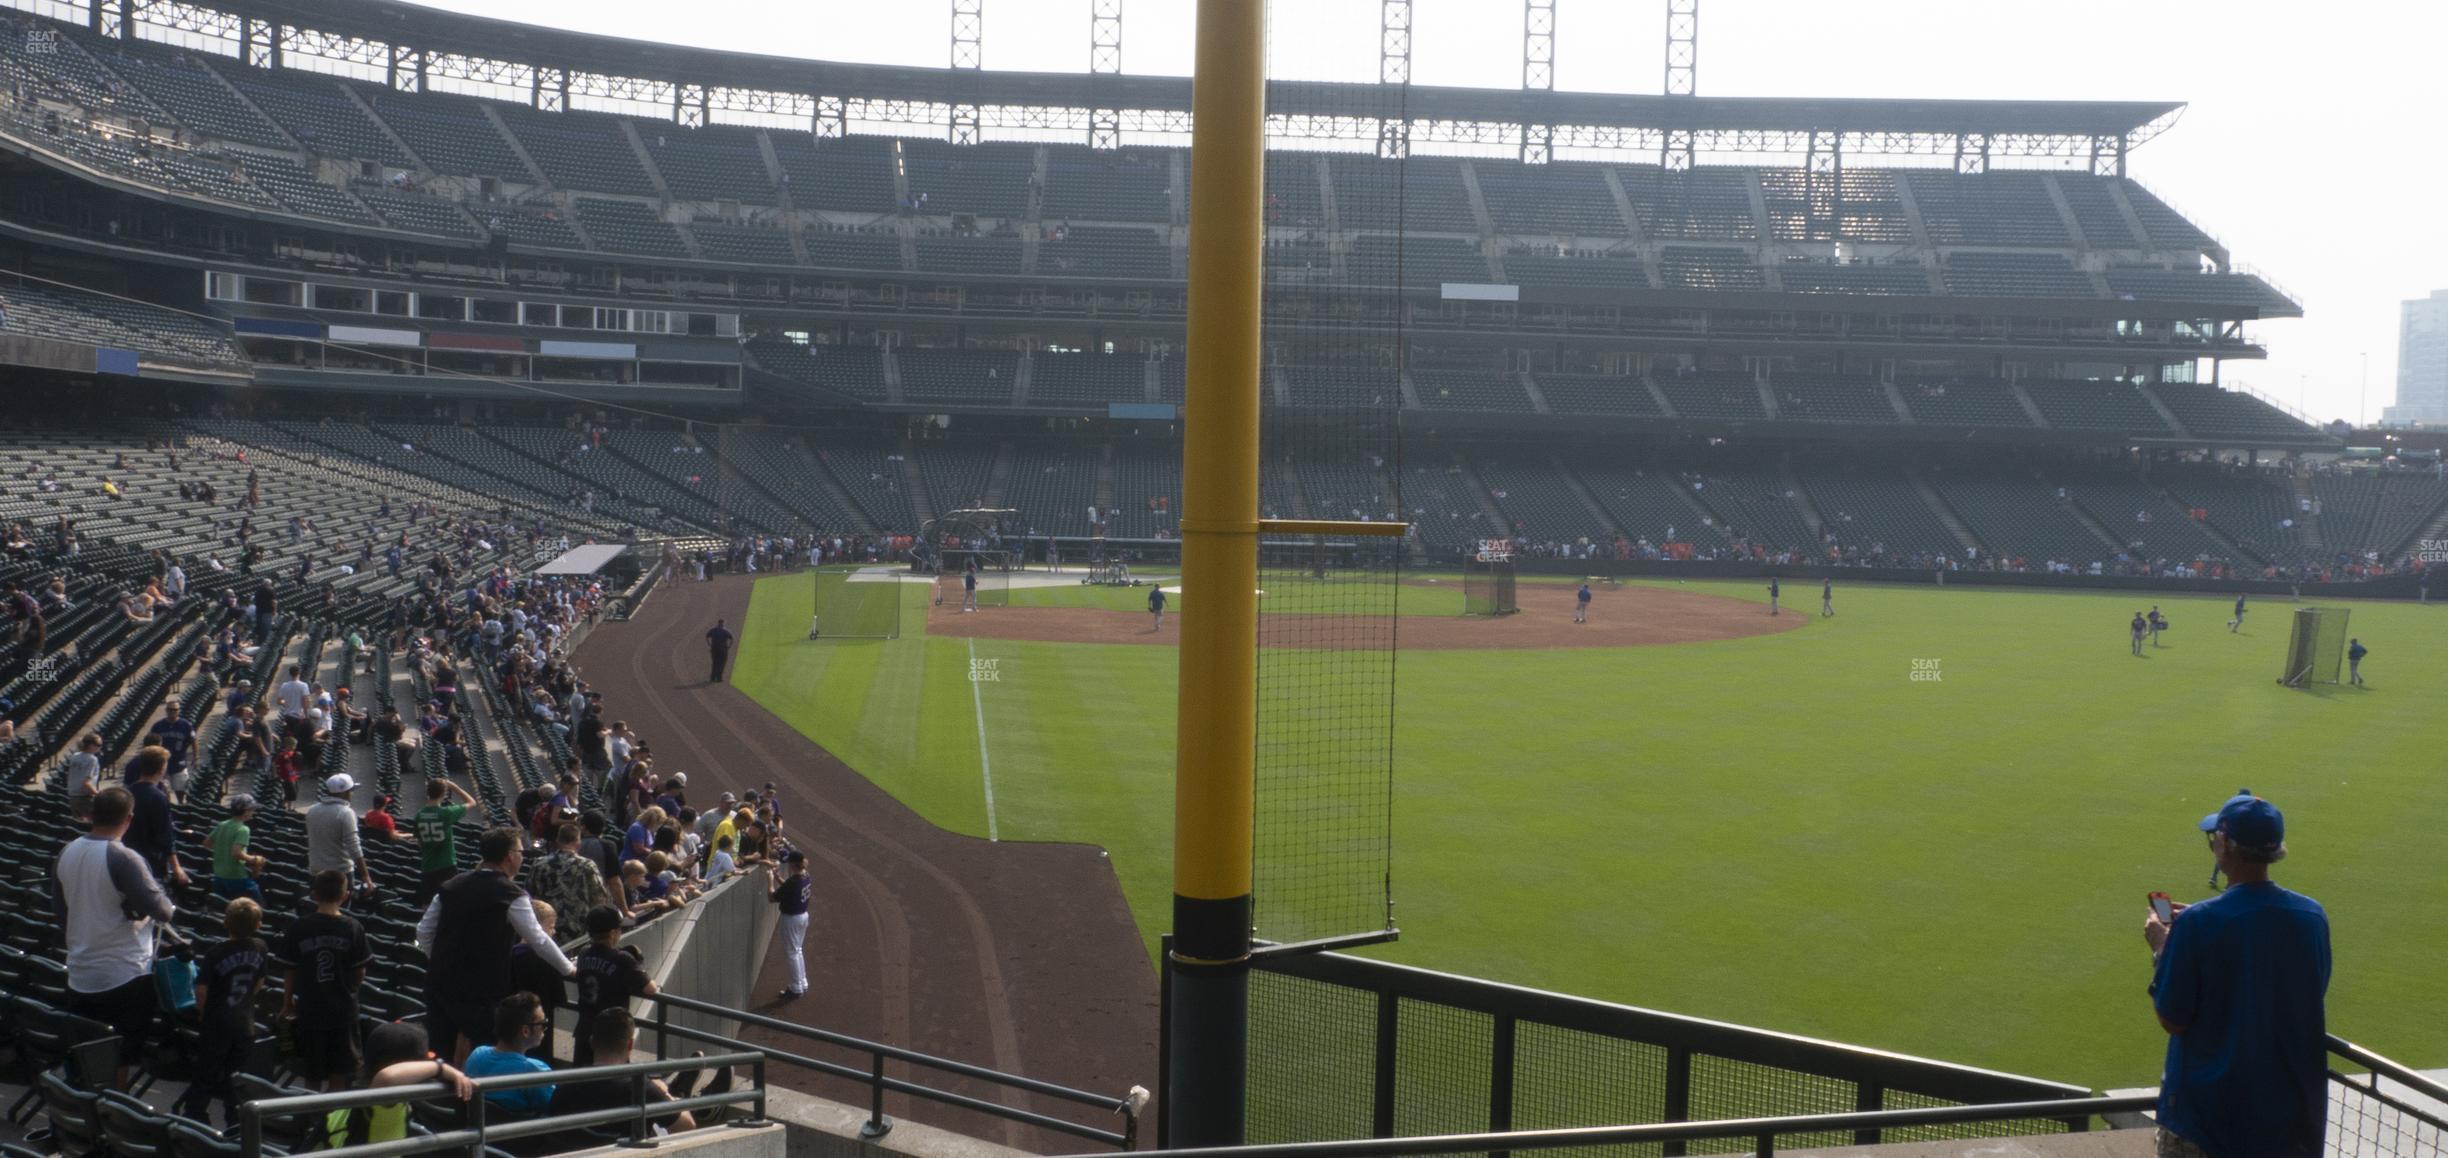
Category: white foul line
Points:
column 977, row 701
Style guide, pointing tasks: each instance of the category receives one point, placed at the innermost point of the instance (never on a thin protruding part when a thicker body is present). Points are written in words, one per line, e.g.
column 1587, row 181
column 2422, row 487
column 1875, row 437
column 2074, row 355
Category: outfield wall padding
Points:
column 2386, row 587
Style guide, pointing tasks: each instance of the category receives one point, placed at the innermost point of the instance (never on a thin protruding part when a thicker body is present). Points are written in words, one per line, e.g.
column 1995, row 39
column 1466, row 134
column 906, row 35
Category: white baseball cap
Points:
column 341, row 784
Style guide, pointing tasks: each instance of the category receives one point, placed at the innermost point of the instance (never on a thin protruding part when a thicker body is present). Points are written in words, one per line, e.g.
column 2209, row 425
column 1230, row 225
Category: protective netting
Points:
column 1722, row 1088
column 1331, row 404
column 973, row 551
column 2384, row 1126
column 849, row 605
column 1903, row 1100
column 1487, row 583
column 1443, row 1064
column 1313, row 1060
column 2316, row 647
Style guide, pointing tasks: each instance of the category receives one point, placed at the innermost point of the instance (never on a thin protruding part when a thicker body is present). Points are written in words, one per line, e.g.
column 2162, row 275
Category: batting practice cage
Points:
column 972, row 553
column 1487, row 579
column 2316, row 647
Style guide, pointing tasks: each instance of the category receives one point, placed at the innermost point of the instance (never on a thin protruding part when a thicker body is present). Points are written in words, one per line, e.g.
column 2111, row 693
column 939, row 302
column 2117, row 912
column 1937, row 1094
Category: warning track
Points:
column 1022, row 957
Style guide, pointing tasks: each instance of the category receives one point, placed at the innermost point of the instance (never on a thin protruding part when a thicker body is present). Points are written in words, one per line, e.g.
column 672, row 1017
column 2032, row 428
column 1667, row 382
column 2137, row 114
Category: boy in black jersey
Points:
column 326, row 953
column 791, row 893
column 226, row 983
column 608, row 977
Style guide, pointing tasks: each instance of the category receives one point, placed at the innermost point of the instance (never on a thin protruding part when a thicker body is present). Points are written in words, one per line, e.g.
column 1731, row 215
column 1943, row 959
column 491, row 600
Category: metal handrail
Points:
column 2274, row 402
column 478, row 1133
column 2376, row 1067
column 1762, row 1131
column 1929, row 1077
column 2420, row 1083
column 878, row 1124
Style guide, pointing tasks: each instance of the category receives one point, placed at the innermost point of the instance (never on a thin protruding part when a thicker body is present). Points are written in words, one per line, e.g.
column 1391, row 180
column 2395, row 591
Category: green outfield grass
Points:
column 1785, row 831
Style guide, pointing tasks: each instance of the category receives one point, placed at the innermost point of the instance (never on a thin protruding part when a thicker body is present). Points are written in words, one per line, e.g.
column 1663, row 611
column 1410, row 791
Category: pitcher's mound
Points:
column 1619, row 617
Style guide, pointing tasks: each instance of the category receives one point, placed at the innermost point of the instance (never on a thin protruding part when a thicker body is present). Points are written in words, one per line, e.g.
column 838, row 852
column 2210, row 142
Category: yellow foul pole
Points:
column 1216, row 747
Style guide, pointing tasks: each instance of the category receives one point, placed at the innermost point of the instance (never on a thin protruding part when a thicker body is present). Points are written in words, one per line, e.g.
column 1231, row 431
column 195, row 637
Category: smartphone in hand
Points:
column 2161, row 905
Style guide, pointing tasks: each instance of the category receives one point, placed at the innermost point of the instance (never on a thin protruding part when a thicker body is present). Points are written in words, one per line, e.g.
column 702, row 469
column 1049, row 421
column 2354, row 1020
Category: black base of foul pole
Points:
column 1207, row 1083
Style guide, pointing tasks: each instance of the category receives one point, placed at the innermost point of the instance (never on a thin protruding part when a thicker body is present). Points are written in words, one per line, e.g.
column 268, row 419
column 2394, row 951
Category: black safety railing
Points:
column 2367, row 1116
column 1350, row 1047
column 481, row 1130
column 2383, row 1111
column 1127, row 1106
column 1761, row 1133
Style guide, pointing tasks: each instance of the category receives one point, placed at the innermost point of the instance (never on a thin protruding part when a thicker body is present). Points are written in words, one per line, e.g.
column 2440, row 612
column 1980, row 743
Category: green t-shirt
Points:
column 228, row 838
column 364, row 1125
column 435, row 824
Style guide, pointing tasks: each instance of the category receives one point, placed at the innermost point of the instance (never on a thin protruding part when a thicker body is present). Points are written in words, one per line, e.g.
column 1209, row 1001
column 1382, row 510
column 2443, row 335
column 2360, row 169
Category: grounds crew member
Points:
column 718, row 643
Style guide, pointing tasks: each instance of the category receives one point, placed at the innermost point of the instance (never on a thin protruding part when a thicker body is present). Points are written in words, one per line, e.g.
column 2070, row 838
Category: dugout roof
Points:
column 585, row 560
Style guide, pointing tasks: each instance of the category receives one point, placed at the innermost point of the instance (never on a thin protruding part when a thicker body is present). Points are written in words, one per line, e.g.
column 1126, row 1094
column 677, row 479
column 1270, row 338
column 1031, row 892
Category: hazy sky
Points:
column 2293, row 153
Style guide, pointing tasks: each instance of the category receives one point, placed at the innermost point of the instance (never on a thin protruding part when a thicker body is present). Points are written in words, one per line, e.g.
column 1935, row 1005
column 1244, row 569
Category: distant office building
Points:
column 2422, row 362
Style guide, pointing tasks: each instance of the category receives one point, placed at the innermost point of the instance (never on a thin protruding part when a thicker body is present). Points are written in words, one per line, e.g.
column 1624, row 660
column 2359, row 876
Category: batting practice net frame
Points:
column 1487, row 580
column 851, row 606
column 981, row 538
column 2316, row 647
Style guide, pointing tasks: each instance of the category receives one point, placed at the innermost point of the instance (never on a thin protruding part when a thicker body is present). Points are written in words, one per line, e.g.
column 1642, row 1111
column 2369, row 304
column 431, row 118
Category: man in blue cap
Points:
column 2239, row 988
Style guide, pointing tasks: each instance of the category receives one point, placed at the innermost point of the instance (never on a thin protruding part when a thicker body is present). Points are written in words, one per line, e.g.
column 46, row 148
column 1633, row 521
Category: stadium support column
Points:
column 1215, row 749
column 261, row 43
column 2108, row 155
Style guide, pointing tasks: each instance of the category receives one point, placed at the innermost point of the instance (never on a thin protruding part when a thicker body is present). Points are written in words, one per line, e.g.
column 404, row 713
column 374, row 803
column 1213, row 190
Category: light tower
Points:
column 1394, row 67
column 1538, row 75
column 968, row 55
column 1682, row 67
column 1682, row 47
column 1104, row 59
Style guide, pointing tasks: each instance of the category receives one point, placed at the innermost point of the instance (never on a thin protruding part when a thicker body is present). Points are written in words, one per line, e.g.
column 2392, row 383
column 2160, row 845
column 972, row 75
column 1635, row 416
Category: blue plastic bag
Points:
column 174, row 979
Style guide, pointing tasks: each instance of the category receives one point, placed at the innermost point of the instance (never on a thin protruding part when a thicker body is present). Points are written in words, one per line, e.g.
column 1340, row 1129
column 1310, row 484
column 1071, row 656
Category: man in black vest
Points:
column 466, row 935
